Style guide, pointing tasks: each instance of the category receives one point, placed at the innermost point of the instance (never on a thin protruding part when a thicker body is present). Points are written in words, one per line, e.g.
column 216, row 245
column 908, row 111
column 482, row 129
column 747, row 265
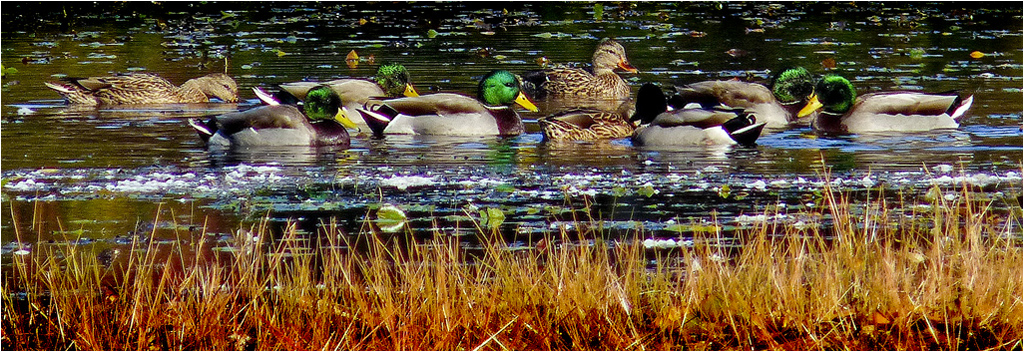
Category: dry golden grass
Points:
column 946, row 278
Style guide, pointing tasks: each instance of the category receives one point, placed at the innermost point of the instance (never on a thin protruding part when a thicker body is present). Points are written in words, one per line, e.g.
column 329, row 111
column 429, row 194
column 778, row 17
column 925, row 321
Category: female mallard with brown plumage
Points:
column 145, row 88
column 576, row 82
column 587, row 124
column 900, row 111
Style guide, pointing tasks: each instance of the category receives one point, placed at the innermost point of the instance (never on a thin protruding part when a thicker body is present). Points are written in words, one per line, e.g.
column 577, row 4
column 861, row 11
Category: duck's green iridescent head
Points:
column 322, row 103
column 503, row 88
column 835, row 93
column 792, row 85
column 395, row 81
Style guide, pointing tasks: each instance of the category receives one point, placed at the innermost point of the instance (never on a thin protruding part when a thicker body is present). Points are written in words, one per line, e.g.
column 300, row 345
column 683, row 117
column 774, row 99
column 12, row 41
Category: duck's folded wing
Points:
column 701, row 118
column 437, row 104
column 271, row 116
column 729, row 93
column 907, row 103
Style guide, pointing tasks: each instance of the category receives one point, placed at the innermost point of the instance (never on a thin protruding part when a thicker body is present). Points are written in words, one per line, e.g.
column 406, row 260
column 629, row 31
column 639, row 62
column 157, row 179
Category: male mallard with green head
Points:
column 603, row 83
column 454, row 114
column 778, row 106
column 901, row 111
column 319, row 123
column 690, row 126
column 145, row 88
column 392, row 81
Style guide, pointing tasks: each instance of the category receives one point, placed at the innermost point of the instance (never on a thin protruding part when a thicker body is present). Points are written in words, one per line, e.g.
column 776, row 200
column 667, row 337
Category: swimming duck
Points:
column 577, row 82
column 778, row 105
column 320, row 122
column 587, row 125
column 392, row 81
column 453, row 114
column 690, row 126
column 145, row 88
column 900, row 111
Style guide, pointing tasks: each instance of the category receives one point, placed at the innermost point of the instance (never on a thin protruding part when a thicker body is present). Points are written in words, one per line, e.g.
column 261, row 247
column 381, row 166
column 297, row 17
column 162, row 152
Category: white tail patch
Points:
column 265, row 97
column 962, row 109
column 199, row 127
column 375, row 115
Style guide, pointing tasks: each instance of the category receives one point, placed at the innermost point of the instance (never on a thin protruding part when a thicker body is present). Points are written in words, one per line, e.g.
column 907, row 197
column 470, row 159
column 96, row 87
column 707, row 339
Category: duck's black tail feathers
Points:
column 205, row 130
column 744, row 129
column 377, row 115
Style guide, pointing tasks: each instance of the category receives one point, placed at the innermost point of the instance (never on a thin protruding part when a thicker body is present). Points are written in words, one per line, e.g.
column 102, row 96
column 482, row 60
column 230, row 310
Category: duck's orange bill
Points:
column 812, row 105
column 525, row 102
column 625, row 66
column 410, row 91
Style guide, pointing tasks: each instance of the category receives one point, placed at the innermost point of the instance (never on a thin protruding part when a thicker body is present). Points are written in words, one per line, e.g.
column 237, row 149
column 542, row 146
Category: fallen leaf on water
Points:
column 352, row 55
column 543, row 61
column 363, row 21
column 697, row 34
column 736, row 52
column 977, row 54
column 829, row 63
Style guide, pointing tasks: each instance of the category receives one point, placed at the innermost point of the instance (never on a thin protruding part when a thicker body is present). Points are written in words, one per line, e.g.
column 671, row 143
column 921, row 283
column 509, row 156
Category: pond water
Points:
column 104, row 175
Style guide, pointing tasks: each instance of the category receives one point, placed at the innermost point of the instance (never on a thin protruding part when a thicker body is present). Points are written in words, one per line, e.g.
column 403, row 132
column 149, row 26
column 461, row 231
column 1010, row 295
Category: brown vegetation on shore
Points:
column 946, row 278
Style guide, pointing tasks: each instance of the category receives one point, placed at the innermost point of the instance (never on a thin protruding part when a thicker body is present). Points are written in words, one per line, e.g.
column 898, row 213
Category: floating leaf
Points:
column 363, row 21
column 4, row 71
column 619, row 191
column 646, row 191
column 280, row 53
column 493, row 217
column 918, row 53
column 977, row 54
column 390, row 218
column 431, row 33
column 724, row 191
column 352, row 55
column 598, row 11
column 828, row 63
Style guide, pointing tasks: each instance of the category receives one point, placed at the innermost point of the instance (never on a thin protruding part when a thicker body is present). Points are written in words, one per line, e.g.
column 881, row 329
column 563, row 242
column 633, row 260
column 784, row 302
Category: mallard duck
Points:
column 577, row 82
column 145, row 88
column 391, row 81
column 320, row 122
column 901, row 111
column 690, row 126
column 453, row 114
column 778, row 105
column 587, row 124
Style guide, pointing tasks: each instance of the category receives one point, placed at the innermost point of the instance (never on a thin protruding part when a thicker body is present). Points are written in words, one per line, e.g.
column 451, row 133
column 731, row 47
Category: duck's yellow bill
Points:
column 342, row 118
column 410, row 91
column 812, row 105
column 525, row 102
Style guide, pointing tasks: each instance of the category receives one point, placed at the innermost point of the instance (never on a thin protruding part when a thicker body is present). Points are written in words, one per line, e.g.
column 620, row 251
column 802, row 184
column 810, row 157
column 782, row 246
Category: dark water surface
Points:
column 105, row 175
